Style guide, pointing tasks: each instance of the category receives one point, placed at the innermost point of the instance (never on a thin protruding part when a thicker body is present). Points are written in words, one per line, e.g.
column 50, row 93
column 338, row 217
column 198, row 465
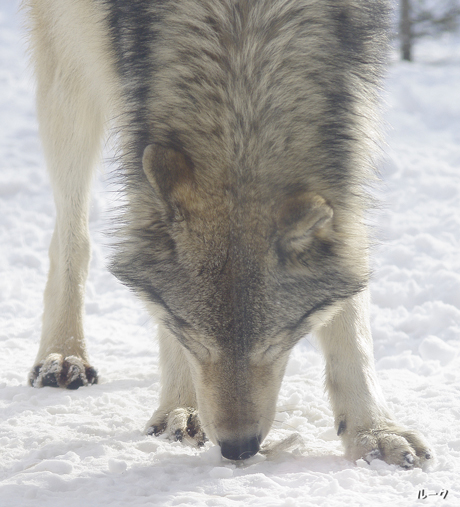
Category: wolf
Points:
column 247, row 133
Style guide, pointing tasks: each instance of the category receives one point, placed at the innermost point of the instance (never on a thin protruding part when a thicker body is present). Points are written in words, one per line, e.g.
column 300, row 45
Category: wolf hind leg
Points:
column 177, row 415
column 71, row 126
column 362, row 418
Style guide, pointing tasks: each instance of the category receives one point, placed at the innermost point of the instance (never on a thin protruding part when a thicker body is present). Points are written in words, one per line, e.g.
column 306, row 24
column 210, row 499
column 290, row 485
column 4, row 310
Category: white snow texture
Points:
column 86, row 447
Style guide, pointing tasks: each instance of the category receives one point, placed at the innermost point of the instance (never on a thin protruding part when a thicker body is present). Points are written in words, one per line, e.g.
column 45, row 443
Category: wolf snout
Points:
column 240, row 449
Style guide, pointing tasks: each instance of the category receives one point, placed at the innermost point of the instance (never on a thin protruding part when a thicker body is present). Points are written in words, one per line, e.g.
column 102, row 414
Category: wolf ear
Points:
column 169, row 172
column 302, row 218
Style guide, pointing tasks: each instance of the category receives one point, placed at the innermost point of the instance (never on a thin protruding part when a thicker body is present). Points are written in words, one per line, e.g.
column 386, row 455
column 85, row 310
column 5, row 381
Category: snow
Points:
column 86, row 447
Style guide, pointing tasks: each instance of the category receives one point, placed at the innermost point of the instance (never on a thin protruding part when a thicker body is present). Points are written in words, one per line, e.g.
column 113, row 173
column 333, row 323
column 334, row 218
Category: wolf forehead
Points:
column 228, row 80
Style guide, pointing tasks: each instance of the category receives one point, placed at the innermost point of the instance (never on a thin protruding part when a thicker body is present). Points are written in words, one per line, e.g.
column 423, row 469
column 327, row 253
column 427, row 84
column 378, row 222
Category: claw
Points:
column 155, row 430
column 409, row 459
column 374, row 454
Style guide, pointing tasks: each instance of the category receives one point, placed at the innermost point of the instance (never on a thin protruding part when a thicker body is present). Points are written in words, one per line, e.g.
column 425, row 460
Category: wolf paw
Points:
column 181, row 424
column 394, row 445
column 59, row 371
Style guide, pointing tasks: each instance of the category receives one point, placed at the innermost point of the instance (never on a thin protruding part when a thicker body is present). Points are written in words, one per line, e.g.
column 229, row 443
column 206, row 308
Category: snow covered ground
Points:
column 86, row 447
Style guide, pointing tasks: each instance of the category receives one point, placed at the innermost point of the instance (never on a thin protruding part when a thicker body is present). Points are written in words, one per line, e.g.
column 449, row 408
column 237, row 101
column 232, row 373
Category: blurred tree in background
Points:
column 421, row 18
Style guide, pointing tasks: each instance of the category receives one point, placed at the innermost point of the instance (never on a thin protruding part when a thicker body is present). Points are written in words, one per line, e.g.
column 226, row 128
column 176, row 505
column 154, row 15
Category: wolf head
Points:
column 240, row 271
column 244, row 223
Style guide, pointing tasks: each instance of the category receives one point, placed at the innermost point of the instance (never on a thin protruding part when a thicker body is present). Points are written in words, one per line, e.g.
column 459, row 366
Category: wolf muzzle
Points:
column 240, row 449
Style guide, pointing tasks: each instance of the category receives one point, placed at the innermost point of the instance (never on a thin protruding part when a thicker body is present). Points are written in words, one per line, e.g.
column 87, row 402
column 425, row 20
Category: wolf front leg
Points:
column 177, row 415
column 362, row 418
column 71, row 125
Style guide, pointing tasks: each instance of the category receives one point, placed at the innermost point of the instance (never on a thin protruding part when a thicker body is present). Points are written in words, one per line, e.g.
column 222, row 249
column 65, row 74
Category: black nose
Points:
column 240, row 449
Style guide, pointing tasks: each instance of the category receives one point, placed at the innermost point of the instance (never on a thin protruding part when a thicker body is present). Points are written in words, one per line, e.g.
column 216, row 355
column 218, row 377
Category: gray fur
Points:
column 247, row 130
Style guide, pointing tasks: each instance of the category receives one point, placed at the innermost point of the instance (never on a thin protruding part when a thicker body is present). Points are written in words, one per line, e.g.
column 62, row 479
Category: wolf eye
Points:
column 196, row 348
column 200, row 349
column 272, row 351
